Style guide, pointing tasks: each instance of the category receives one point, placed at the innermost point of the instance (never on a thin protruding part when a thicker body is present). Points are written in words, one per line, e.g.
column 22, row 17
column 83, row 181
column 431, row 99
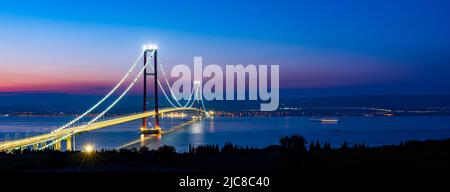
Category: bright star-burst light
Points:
column 88, row 148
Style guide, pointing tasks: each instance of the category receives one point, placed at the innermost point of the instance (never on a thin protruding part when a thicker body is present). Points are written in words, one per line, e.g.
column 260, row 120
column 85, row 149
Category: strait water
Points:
column 245, row 131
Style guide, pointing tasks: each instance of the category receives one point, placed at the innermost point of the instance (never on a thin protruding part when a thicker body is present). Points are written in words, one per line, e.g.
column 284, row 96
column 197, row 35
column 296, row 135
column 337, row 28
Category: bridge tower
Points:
column 156, row 130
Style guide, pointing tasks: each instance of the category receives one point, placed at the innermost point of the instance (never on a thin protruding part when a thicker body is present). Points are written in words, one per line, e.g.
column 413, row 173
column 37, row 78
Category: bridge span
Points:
column 39, row 139
column 66, row 131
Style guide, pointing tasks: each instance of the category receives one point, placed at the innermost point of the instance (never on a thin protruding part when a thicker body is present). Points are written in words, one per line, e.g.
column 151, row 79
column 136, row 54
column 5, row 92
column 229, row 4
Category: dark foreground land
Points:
column 292, row 154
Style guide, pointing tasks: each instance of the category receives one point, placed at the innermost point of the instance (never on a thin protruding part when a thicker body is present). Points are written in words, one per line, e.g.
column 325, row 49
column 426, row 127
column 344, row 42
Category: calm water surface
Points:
column 254, row 132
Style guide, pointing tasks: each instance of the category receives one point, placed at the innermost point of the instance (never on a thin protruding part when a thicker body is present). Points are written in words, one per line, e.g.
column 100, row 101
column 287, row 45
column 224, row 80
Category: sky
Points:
column 331, row 47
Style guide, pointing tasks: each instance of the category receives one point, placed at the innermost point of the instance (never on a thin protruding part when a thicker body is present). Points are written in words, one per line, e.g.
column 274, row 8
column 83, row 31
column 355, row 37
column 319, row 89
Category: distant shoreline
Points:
column 57, row 104
column 263, row 114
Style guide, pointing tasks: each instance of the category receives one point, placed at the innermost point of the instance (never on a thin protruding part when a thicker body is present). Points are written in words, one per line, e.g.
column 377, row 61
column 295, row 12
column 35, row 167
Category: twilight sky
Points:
column 339, row 47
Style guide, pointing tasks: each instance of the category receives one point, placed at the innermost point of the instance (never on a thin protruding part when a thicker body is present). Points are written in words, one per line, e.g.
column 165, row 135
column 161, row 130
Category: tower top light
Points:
column 150, row 47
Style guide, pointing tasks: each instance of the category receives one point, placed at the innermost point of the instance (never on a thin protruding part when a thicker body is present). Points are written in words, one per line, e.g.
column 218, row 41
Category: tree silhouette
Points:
column 293, row 143
column 344, row 146
column 327, row 146
column 312, row 147
column 318, row 147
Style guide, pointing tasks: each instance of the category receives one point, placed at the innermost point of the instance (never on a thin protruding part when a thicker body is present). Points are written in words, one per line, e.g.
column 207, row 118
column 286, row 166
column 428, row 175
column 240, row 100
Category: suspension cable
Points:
column 162, row 89
column 103, row 112
column 104, row 98
column 196, row 97
column 171, row 92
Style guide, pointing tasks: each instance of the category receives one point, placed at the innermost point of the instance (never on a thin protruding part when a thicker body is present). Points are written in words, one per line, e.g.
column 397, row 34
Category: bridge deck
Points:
column 9, row 145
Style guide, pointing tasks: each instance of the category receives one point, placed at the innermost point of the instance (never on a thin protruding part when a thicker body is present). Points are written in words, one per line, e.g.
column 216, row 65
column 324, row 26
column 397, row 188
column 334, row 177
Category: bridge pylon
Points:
column 57, row 146
column 156, row 130
column 69, row 143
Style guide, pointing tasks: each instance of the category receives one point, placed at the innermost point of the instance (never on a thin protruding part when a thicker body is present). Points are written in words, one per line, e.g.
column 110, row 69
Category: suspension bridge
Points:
column 65, row 132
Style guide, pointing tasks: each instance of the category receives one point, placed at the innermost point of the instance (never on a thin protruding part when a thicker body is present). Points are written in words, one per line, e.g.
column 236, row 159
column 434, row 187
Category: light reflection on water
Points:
column 255, row 132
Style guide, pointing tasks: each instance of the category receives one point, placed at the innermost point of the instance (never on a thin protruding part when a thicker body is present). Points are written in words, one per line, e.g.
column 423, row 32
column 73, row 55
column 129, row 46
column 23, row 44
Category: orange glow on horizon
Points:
column 66, row 87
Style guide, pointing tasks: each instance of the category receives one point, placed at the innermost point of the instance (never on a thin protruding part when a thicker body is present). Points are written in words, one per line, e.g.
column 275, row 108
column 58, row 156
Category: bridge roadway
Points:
column 29, row 141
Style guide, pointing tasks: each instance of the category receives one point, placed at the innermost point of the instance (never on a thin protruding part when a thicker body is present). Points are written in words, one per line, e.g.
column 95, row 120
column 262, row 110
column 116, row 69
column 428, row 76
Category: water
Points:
column 246, row 131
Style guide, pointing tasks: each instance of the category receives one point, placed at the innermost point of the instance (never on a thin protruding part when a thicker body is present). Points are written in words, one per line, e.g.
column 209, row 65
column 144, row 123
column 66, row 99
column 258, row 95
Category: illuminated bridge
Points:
column 65, row 132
